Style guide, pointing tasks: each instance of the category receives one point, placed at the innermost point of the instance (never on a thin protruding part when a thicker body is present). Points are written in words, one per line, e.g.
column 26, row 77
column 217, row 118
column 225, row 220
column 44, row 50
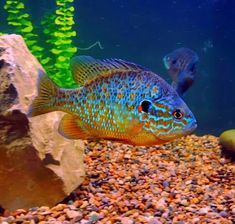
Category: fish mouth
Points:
column 166, row 64
column 188, row 129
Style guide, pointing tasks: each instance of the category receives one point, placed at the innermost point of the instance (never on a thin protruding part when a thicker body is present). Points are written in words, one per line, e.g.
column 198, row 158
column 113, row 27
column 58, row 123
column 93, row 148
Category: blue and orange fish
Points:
column 117, row 100
column 181, row 65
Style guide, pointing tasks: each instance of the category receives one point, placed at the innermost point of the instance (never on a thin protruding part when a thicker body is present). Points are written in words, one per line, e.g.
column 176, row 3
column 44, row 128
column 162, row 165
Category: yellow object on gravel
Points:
column 227, row 140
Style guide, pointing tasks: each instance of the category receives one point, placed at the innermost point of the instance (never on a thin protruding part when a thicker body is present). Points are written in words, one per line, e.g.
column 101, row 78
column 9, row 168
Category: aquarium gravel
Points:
column 185, row 181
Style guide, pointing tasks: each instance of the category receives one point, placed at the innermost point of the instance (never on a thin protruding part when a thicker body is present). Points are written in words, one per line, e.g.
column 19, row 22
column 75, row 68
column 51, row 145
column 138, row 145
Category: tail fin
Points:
column 47, row 92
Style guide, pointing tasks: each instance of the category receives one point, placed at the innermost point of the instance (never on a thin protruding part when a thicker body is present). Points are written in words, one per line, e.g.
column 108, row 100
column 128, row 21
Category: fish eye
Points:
column 144, row 106
column 178, row 114
column 174, row 61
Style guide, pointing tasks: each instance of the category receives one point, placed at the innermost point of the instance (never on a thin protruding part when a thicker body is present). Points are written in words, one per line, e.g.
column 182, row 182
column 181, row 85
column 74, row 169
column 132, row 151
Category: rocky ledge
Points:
column 37, row 165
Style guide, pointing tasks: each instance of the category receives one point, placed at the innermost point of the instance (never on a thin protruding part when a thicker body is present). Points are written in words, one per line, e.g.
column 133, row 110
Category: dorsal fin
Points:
column 86, row 68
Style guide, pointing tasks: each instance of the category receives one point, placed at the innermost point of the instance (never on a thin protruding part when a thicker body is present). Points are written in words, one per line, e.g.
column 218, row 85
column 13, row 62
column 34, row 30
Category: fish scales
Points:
column 91, row 99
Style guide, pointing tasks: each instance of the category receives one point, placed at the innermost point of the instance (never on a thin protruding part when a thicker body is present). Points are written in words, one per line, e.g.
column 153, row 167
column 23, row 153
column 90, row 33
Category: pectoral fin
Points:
column 70, row 127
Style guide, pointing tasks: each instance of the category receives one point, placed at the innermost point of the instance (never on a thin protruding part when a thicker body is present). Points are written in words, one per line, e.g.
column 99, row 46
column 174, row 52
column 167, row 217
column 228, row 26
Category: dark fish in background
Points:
column 181, row 65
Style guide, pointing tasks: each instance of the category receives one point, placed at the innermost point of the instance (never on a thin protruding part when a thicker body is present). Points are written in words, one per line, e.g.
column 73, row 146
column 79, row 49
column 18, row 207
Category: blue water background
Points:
column 143, row 31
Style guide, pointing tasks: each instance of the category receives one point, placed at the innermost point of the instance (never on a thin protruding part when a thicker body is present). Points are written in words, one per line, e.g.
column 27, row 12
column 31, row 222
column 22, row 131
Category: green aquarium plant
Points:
column 57, row 31
column 20, row 20
column 58, row 28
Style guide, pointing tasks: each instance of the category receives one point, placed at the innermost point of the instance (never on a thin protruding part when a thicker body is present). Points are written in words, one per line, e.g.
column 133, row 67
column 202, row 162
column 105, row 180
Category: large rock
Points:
column 37, row 165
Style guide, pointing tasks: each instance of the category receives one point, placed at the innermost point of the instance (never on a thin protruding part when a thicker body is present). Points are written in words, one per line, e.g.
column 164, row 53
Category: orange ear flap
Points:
column 140, row 109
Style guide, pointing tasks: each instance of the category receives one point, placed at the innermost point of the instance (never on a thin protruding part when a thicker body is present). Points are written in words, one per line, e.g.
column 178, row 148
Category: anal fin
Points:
column 70, row 127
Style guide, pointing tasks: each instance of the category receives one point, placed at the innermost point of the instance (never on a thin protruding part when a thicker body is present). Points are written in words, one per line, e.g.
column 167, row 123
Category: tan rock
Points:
column 227, row 140
column 37, row 165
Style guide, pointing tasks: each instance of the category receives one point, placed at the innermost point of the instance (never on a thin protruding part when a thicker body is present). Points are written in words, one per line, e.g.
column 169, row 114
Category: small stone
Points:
column 46, row 212
column 62, row 218
column 126, row 220
column 165, row 194
column 184, row 202
column 194, row 200
column 39, row 218
column 188, row 182
column 213, row 215
column 9, row 219
column 72, row 207
column 94, row 217
column 166, row 183
column 84, row 205
column 28, row 217
column 112, row 181
column 195, row 220
column 33, row 209
column 173, row 174
column 73, row 214
column 154, row 221
column 105, row 200
column 233, row 211
column 127, row 156
column 223, row 214
column 23, row 211
column 165, row 215
column 190, row 209
column 36, row 219
column 222, row 161
column 42, row 209
column 59, row 207
column 203, row 211
column 160, row 206
column 56, row 214
column 19, row 220
column 78, row 203
column 84, row 221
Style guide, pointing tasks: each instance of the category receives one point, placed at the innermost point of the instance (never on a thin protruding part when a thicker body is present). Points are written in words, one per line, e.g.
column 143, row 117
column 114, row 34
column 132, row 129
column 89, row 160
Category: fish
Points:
column 181, row 65
column 115, row 100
